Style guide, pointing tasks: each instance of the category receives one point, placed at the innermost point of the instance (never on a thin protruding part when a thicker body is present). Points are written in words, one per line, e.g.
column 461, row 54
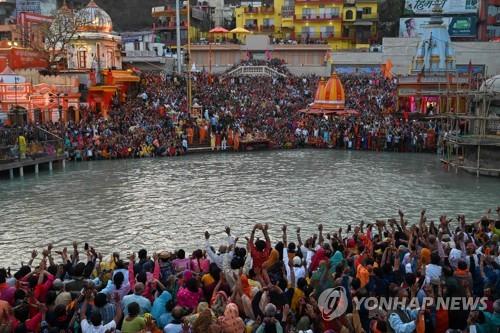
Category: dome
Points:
column 491, row 85
column 330, row 94
column 94, row 19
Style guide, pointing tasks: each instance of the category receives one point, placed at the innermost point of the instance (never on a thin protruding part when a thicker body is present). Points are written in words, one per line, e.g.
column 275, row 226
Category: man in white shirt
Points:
column 95, row 324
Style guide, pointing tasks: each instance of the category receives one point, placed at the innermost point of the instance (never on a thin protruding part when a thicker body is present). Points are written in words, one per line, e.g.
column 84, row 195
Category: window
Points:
column 307, row 13
column 268, row 22
column 82, row 59
column 367, row 10
column 111, row 59
column 349, row 15
column 327, row 32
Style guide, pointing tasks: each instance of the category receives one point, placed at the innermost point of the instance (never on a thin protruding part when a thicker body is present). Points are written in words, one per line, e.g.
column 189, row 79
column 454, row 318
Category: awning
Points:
column 121, row 76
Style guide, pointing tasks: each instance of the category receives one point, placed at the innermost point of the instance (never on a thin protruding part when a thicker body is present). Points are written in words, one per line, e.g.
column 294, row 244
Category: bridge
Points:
column 254, row 71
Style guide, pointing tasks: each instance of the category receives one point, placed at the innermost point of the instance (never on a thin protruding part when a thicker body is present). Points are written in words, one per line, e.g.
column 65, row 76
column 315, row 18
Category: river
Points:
column 168, row 203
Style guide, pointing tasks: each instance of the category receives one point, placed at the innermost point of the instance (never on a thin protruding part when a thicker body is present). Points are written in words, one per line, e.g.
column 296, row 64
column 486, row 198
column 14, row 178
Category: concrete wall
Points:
column 402, row 50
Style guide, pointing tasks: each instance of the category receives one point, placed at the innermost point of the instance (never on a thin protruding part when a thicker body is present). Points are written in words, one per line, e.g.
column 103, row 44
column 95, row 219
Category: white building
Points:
column 95, row 46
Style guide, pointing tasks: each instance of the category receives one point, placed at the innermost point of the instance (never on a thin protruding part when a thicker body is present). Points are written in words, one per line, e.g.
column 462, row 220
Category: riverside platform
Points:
column 29, row 162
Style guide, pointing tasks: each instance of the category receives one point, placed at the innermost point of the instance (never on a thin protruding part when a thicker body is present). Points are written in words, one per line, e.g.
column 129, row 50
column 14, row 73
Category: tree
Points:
column 57, row 35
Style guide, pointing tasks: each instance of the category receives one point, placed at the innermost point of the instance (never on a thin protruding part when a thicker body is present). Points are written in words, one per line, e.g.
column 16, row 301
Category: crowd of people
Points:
column 255, row 284
column 236, row 109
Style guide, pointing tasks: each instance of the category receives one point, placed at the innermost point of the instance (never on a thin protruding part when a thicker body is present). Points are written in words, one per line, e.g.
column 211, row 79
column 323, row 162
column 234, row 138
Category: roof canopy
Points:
column 219, row 30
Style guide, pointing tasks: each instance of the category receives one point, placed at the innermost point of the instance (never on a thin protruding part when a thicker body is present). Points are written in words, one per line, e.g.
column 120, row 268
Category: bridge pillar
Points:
column 36, row 169
column 50, row 166
column 64, row 164
column 11, row 173
column 21, row 171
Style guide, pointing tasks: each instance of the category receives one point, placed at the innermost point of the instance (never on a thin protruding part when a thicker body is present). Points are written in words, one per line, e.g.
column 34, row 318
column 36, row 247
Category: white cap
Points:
column 297, row 261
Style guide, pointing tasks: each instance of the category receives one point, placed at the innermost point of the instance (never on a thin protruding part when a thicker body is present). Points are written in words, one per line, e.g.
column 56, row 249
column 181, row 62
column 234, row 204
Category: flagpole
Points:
column 189, row 97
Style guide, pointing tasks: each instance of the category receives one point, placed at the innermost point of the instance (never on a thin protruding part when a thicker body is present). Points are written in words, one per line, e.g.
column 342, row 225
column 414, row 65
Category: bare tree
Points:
column 57, row 35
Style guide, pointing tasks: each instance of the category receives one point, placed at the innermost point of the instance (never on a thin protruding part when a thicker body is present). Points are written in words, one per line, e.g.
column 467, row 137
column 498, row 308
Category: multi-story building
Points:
column 164, row 22
column 339, row 23
column 489, row 20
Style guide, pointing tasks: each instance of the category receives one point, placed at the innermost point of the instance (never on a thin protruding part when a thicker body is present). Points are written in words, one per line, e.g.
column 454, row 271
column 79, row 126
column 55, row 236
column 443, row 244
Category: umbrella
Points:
column 218, row 30
column 240, row 30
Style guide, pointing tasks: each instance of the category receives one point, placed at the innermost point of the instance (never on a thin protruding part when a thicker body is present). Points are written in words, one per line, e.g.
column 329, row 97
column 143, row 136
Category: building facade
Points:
column 95, row 46
column 342, row 24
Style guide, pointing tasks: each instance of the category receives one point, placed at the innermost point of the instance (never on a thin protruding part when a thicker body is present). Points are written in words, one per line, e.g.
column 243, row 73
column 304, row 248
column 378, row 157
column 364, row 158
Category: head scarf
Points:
column 159, row 305
column 231, row 321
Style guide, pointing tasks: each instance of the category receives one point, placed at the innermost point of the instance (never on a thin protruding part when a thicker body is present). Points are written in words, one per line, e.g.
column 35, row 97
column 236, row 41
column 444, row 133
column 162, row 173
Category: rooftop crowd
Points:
column 234, row 109
column 255, row 284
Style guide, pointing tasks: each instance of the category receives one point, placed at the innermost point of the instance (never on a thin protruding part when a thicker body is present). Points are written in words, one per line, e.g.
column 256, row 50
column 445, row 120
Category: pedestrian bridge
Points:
column 254, row 71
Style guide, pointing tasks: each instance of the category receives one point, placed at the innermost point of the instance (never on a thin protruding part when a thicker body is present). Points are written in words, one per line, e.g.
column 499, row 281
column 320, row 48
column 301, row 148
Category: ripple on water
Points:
column 169, row 203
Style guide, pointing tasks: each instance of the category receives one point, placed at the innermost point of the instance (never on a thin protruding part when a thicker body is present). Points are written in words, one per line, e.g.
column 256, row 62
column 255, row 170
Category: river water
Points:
column 168, row 203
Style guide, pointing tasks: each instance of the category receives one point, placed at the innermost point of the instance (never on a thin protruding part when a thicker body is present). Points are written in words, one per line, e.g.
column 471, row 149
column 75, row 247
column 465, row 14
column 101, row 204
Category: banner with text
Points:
column 425, row 7
column 458, row 26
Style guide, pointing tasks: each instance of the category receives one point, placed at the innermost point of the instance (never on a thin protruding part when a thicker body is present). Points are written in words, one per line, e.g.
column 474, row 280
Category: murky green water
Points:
column 169, row 203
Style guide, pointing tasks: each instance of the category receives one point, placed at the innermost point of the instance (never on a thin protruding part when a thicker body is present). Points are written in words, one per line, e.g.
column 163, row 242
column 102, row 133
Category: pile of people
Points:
column 231, row 109
column 320, row 283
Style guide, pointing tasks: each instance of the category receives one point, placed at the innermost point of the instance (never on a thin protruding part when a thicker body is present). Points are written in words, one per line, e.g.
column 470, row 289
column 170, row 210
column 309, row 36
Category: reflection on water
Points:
column 168, row 203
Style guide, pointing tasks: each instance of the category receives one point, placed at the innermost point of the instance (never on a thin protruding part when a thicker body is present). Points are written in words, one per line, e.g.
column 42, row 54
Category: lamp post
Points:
column 58, row 96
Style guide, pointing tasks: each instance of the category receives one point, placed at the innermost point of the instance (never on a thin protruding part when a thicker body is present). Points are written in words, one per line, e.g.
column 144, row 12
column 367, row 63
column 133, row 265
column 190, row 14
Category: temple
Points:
column 330, row 99
column 433, row 84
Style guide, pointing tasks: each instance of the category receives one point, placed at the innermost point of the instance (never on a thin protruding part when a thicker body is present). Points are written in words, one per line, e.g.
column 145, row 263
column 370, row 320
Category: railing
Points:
column 255, row 71
column 314, row 16
column 368, row 17
column 136, row 53
column 250, row 10
column 267, row 10
column 267, row 28
column 287, row 11
column 169, row 25
column 39, row 143
column 251, row 27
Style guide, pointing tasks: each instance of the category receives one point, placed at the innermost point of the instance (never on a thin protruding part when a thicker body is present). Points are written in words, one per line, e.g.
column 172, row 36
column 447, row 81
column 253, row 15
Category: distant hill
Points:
column 127, row 15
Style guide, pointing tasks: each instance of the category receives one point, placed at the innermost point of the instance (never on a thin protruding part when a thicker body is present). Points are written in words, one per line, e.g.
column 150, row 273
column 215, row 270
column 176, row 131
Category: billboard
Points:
column 424, row 7
column 458, row 26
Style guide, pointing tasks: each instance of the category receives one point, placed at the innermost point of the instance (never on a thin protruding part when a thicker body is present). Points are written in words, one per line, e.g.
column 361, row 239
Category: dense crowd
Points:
column 236, row 109
column 259, row 285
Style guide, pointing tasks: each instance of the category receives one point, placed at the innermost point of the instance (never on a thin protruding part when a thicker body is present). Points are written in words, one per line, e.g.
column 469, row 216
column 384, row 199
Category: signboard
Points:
column 458, row 26
column 43, row 7
column 425, row 7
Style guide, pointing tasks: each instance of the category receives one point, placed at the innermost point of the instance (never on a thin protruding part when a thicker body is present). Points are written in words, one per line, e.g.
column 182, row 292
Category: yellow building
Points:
column 341, row 24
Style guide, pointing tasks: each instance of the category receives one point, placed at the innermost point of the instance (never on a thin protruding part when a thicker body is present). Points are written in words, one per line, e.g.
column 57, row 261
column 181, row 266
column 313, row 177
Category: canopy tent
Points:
column 218, row 30
column 240, row 30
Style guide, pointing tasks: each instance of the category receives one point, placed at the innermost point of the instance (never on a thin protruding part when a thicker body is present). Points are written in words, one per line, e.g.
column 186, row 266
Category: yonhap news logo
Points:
column 333, row 303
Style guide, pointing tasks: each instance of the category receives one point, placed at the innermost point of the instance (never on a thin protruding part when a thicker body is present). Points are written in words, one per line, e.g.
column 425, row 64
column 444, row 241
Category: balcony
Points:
column 367, row 17
column 493, row 20
column 287, row 11
column 168, row 26
column 318, row 2
column 266, row 28
column 250, row 10
column 317, row 17
column 267, row 10
column 318, row 37
column 166, row 11
column 251, row 27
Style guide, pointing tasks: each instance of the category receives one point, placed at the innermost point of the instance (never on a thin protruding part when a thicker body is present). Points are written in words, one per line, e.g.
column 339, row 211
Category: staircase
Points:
column 254, row 71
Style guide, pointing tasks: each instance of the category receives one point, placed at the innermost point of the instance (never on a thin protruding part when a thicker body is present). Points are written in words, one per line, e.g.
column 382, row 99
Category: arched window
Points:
column 349, row 15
